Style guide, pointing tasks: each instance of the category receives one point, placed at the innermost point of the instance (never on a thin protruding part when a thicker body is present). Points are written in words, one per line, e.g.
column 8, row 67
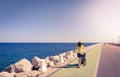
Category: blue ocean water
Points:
column 13, row 52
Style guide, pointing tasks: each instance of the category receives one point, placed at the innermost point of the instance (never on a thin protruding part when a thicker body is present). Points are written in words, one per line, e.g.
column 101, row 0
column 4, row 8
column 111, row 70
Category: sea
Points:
column 13, row 52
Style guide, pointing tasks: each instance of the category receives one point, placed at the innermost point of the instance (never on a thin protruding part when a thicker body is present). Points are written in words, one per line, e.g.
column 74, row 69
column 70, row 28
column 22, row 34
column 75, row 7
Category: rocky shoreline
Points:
column 40, row 67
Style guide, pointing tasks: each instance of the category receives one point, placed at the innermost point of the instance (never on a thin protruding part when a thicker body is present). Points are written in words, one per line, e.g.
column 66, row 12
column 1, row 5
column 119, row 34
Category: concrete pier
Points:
column 72, row 70
column 102, row 61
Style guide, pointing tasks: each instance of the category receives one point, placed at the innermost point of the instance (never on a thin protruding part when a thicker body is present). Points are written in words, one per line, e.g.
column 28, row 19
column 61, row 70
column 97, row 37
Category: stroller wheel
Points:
column 84, row 63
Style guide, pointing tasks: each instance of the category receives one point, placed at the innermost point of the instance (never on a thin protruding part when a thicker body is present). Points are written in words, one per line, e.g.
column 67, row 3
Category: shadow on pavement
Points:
column 68, row 66
column 71, row 66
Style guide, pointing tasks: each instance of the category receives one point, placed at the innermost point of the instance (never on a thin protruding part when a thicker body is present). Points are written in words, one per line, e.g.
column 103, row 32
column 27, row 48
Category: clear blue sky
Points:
column 59, row 20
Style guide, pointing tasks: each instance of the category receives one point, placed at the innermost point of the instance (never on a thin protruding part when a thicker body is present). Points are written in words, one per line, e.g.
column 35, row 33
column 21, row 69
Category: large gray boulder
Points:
column 54, row 58
column 64, row 53
column 50, row 64
column 69, row 55
column 6, row 74
column 43, row 65
column 47, row 59
column 23, row 65
column 61, row 60
column 36, row 62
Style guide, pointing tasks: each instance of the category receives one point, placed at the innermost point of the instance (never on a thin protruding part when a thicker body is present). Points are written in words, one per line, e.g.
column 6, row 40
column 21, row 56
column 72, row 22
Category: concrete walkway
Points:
column 109, row 65
column 72, row 70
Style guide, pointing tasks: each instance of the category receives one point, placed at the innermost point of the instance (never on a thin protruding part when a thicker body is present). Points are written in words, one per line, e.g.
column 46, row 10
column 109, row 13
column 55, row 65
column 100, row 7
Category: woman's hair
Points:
column 79, row 44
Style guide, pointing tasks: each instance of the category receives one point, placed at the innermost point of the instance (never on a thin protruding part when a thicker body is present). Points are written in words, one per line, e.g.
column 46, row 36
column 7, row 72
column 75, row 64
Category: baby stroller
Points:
column 82, row 60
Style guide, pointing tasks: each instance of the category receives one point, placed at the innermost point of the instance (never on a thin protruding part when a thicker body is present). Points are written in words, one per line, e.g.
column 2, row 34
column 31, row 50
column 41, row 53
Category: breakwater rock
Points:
column 23, row 65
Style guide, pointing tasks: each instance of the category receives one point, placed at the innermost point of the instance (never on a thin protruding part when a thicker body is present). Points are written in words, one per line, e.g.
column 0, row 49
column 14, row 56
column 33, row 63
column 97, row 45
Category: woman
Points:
column 81, row 54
